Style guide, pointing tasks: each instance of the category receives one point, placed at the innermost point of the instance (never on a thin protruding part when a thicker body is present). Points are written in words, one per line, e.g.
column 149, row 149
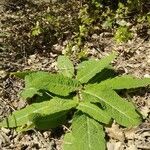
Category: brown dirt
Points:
column 135, row 62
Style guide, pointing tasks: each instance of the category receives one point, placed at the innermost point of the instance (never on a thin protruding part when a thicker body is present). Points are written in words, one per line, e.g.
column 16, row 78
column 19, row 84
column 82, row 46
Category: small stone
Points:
column 130, row 133
column 110, row 146
column 95, row 36
column 46, row 135
column 6, row 131
column 21, row 104
column 4, row 137
column 3, row 74
column 145, row 111
column 133, row 147
column 146, row 76
column 32, row 57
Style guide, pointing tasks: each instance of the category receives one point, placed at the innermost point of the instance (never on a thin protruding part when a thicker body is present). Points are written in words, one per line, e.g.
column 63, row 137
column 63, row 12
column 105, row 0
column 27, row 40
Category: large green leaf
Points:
column 125, row 82
column 87, row 134
column 88, row 69
column 106, row 73
column 119, row 109
column 68, row 143
column 94, row 111
column 65, row 66
column 30, row 92
column 55, row 83
column 22, row 74
column 89, row 98
column 51, row 108
column 44, row 122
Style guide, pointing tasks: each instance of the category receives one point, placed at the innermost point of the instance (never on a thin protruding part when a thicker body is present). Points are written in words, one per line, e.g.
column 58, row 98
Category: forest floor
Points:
column 134, row 58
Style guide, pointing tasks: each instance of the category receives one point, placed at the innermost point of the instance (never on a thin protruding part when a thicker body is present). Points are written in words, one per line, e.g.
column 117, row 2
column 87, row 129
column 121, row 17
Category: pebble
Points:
column 4, row 137
column 146, row 76
column 3, row 74
column 6, row 131
column 46, row 135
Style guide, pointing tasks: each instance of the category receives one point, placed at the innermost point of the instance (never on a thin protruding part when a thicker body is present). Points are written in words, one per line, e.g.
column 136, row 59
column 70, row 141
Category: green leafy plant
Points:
column 36, row 30
column 93, row 103
column 122, row 34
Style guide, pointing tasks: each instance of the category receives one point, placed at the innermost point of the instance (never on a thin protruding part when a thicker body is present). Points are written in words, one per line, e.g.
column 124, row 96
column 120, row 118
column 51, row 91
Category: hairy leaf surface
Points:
column 125, row 82
column 87, row 134
column 65, row 66
column 30, row 92
column 88, row 69
column 68, row 143
column 94, row 112
column 55, row 83
column 89, row 98
column 119, row 109
column 22, row 117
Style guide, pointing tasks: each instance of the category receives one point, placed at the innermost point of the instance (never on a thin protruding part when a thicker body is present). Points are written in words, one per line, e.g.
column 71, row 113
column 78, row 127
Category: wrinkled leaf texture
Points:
column 54, row 83
column 65, row 66
column 125, row 82
column 51, row 108
column 119, row 109
column 88, row 69
column 94, row 112
column 86, row 134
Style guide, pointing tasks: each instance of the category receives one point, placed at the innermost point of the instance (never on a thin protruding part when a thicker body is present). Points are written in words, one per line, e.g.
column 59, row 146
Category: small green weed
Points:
column 37, row 27
column 94, row 103
column 122, row 34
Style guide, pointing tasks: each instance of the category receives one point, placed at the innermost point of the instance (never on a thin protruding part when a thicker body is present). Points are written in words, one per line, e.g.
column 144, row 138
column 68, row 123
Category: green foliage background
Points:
column 29, row 26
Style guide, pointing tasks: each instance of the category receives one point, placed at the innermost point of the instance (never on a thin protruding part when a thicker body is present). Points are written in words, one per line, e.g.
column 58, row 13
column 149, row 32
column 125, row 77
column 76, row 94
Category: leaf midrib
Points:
column 87, row 92
column 37, row 110
column 66, row 87
column 43, row 108
column 93, row 70
column 88, row 136
column 88, row 131
column 85, row 135
column 83, row 104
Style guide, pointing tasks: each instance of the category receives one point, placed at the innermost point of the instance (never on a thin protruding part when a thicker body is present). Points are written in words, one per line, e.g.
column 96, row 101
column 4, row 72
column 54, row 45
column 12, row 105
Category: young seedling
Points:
column 90, row 94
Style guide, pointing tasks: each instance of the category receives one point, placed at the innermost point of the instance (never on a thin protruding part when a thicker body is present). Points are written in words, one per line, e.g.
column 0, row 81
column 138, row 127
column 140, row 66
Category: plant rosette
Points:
column 90, row 92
